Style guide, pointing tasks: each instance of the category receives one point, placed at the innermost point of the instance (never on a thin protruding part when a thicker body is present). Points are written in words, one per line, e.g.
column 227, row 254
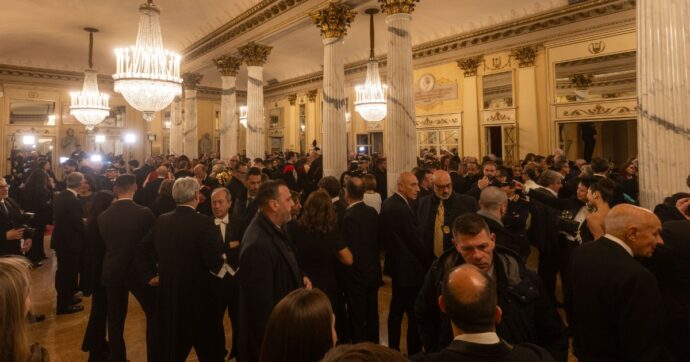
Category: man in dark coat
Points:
column 236, row 185
column 68, row 242
column 469, row 299
column 406, row 259
column 435, row 230
column 244, row 207
column 618, row 311
column 187, row 248
column 381, row 174
column 289, row 173
column 528, row 314
column 493, row 203
column 122, row 226
column 360, row 232
column 151, row 189
column 268, row 267
column 11, row 230
column 207, row 184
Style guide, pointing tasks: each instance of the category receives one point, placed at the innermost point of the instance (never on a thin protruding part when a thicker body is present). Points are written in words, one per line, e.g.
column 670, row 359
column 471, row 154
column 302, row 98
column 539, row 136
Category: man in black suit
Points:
column 207, row 184
column 437, row 211
column 617, row 308
column 381, row 174
column 244, row 207
column 122, row 226
column 360, row 232
column 151, row 189
column 187, row 248
column 268, row 267
column 230, row 230
column 68, row 242
column 236, row 185
column 493, row 203
column 406, row 259
column 469, row 298
column 11, row 229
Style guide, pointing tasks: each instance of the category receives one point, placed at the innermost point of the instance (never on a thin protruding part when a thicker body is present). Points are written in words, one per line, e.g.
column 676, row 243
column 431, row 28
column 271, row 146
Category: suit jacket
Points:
column 268, row 272
column 243, row 211
column 233, row 232
column 7, row 223
column 68, row 234
column 499, row 352
column 504, row 237
column 617, row 308
column 407, row 259
column 381, row 182
column 151, row 191
column 122, row 226
column 543, row 232
column 360, row 232
column 455, row 206
column 237, row 191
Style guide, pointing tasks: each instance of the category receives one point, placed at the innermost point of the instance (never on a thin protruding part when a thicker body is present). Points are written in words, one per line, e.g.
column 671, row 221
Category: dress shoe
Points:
column 36, row 264
column 76, row 300
column 71, row 309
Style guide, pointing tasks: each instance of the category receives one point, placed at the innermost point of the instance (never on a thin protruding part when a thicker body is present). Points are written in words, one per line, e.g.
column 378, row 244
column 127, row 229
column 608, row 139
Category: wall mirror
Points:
column 25, row 148
column 604, row 77
column 498, row 90
column 32, row 112
column 275, row 116
column 615, row 140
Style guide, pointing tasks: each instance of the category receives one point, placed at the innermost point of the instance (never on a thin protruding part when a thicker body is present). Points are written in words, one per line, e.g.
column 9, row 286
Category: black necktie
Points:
column 3, row 208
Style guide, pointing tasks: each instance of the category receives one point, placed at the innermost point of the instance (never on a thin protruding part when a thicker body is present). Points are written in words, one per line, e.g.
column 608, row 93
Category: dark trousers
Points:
column 94, row 337
column 66, row 278
column 564, row 255
column 205, row 335
column 363, row 306
column 118, row 300
column 548, row 271
column 37, row 251
column 402, row 302
column 231, row 288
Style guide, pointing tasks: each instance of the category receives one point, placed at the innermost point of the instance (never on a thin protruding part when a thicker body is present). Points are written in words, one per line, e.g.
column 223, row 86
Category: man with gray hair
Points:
column 493, row 204
column 68, row 242
column 186, row 246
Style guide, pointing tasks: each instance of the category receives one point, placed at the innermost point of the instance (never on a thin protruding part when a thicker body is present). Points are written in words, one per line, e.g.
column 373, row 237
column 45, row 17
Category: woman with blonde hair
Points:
column 15, row 285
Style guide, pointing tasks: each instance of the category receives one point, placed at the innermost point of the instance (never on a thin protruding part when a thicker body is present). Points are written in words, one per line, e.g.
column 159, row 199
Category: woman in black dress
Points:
column 36, row 198
column 164, row 203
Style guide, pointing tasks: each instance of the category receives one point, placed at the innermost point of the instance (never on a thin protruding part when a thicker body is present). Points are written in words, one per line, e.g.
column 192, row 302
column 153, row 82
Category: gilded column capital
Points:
column 333, row 20
column 470, row 65
column 292, row 98
column 311, row 95
column 228, row 65
column 191, row 80
column 582, row 81
column 391, row 7
column 254, row 54
column 525, row 55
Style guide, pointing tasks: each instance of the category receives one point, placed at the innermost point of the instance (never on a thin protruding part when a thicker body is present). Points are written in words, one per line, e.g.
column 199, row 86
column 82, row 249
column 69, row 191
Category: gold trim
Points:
column 254, row 54
column 470, row 65
column 311, row 95
column 600, row 110
column 292, row 98
column 525, row 56
column 228, row 65
column 391, row 7
column 333, row 20
column 191, row 80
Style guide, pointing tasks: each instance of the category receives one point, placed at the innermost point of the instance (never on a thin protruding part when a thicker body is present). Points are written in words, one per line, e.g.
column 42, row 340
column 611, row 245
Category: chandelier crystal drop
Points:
column 370, row 100
column 148, row 76
column 90, row 107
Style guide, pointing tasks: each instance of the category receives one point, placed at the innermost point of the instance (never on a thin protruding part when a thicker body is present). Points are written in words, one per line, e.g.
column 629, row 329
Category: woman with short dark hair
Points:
column 301, row 328
column 36, row 198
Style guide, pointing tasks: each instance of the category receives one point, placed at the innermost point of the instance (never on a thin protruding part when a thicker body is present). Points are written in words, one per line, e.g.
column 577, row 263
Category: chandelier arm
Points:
column 371, row 36
column 90, row 50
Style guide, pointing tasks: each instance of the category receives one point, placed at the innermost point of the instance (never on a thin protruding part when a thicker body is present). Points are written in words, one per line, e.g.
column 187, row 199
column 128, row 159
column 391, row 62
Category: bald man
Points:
column 470, row 300
column 437, row 211
column 406, row 259
column 617, row 308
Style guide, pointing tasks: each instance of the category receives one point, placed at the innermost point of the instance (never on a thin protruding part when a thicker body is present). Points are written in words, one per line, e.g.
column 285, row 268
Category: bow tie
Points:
column 220, row 221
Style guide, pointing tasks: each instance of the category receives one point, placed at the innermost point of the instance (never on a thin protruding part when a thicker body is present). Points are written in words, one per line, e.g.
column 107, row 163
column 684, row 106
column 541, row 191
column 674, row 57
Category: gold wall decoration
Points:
column 525, row 56
column 470, row 65
column 333, row 20
column 228, row 65
column 311, row 95
column 600, row 110
column 374, row 126
column 254, row 54
column 391, row 7
column 439, row 120
column 191, row 80
column 582, row 81
column 596, row 47
column 276, row 132
column 498, row 116
column 497, row 63
column 292, row 98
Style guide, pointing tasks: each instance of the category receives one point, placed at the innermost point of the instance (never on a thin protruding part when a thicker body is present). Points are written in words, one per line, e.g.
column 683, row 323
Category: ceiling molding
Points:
column 49, row 74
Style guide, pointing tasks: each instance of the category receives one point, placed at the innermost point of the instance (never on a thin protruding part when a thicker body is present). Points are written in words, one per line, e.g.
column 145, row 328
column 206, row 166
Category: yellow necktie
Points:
column 438, row 229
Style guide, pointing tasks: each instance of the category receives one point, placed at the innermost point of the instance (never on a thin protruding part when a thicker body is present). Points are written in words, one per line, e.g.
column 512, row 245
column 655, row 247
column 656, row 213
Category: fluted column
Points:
column 176, row 125
column 664, row 88
column 229, row 122
column 191, row 80
column 292, row 131
column 401, row 133
column 333, row 22
column 254, row 55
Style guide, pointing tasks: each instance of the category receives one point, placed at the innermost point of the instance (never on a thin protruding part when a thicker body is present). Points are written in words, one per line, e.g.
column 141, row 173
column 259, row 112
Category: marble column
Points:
column 292, row 132
column 191, row 148
column 333, row 22
column 229, row 121
column 527, row 111
column 663, row 83
column 401, row 132
column 176, row 125
column 254, row 55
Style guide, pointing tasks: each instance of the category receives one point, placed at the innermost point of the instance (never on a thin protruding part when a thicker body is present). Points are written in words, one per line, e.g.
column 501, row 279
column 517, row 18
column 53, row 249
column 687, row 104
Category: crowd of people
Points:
column 293, row 258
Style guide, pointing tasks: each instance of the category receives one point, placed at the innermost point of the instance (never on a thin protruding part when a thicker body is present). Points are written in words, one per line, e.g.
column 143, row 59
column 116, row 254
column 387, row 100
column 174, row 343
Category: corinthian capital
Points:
column 333, row 20
column 470, row 65
column 391, row 7
column 191, row 80
column 228, row 65
column 255, row 54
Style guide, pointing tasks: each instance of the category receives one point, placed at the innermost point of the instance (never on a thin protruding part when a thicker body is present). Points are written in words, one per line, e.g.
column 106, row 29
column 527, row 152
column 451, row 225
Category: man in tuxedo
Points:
column 68, row 242
column 151, row 189
column 437, row 211
column 207, row 185
column 268, row 267
column 244, row 207
column 188, row 252
column 122, row 226
column 493, row 203
column 360, row 232
column 230, row 230
column 617, row 308
column 469, row 298
column 406, row 259
column 12, row 240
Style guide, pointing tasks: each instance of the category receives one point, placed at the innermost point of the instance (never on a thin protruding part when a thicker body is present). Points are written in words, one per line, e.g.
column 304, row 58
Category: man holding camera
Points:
column 12, row 230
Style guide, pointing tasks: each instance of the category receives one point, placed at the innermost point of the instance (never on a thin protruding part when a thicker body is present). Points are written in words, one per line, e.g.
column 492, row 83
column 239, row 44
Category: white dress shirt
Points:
column 619, row 242
column 479, row 338
column 223, row 223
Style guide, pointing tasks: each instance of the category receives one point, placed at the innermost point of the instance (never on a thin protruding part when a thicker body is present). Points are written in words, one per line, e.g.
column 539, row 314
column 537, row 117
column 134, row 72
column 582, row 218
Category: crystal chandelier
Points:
column 243, row 116
column 371, row 96
column 89, row 106
column 148, row 76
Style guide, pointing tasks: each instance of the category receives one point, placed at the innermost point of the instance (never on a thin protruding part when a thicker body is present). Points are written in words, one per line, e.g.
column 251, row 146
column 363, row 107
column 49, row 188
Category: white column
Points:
column 663, row 90
column 176, row 125
column 255, row 113
column 228, row 118
column 334, row 134
column 400, row 122
column 191, row 148
column 528, row 125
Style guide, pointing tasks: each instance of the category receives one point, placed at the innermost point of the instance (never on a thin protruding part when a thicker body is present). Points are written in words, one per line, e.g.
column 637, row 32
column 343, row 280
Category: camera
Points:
column 24, row 222
column 566, row 224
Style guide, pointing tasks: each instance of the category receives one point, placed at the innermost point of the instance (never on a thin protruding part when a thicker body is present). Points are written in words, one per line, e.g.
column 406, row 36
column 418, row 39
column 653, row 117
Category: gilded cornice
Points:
column 292, row 98
column 391, row 7
column 49, row 74
column 333, row 20
column 191, row 80
column 254, row 54
column 525, row 56
column 470, row 65
column 228, row 65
